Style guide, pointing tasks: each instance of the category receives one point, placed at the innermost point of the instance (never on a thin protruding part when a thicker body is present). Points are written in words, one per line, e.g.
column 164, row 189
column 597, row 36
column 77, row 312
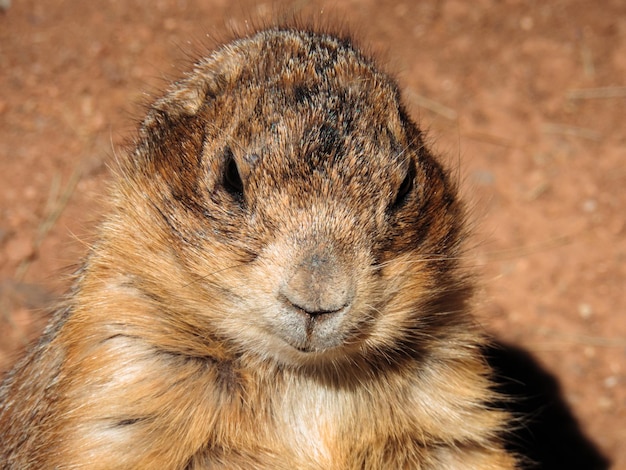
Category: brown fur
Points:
column 277, row 286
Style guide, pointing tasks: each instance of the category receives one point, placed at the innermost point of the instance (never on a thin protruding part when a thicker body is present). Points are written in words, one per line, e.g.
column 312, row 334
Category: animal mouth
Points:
column 319, row 332
column 333, row 332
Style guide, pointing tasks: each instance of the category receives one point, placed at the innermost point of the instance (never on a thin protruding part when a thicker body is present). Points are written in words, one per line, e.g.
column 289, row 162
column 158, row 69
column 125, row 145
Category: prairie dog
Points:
column 277, row 286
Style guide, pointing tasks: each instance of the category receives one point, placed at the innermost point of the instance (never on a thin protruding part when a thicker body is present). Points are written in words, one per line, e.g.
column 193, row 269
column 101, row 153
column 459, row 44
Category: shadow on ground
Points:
column 549, row 435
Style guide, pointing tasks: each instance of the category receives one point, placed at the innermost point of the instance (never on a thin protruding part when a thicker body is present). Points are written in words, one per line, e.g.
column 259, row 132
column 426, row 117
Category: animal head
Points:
column 299, row 203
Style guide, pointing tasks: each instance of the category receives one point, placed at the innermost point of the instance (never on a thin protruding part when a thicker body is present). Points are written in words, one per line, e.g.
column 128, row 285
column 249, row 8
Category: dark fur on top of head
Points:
column 277, row 286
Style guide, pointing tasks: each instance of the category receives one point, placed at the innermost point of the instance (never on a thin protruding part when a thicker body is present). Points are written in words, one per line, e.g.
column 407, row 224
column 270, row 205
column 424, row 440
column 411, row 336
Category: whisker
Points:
column 211, row 274
column 401, row 261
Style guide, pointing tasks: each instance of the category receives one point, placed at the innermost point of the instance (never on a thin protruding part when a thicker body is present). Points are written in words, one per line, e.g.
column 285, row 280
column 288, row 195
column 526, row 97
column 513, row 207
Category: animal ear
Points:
column 172, row 115
column 184, row 99
column 208, row 79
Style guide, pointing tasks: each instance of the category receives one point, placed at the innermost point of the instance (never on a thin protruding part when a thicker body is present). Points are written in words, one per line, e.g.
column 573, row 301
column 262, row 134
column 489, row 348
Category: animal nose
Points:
column 319, row 285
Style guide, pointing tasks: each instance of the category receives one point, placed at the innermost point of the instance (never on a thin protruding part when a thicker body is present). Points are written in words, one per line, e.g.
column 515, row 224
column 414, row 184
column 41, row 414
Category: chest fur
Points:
column 310, row 425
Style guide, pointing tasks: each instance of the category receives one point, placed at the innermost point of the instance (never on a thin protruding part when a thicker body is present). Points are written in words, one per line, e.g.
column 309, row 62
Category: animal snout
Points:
column 318, row 285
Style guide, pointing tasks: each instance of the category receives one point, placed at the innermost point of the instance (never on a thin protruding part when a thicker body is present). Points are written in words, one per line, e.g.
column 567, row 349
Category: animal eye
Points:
column 232, row 178
column 405, row 188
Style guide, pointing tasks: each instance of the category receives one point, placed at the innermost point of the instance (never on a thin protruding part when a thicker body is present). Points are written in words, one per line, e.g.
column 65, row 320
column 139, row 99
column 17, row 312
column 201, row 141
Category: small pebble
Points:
column 526, row 23
column 590, row 205
column 585, row 311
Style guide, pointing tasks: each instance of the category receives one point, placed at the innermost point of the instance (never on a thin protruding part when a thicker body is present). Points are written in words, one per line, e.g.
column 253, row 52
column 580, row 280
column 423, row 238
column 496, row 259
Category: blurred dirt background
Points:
column 525, row 99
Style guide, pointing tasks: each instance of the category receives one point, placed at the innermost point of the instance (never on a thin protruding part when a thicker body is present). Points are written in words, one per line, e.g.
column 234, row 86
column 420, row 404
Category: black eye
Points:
column 232, row 179
column 405, row 188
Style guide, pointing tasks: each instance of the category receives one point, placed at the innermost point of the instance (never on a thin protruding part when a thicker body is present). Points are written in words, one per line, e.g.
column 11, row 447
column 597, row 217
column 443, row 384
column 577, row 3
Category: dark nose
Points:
column 319, row 284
